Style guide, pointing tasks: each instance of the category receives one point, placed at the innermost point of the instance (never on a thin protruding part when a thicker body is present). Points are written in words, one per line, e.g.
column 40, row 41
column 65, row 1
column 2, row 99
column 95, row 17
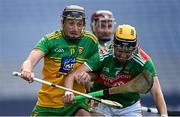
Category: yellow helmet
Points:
column 125, row 35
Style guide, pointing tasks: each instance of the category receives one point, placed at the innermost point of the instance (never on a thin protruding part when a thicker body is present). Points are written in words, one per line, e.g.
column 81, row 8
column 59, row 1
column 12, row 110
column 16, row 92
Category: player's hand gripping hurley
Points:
column 107, row 102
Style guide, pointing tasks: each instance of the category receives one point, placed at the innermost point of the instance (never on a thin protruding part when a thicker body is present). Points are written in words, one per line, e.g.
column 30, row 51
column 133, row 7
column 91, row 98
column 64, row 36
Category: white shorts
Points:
column 133, row 110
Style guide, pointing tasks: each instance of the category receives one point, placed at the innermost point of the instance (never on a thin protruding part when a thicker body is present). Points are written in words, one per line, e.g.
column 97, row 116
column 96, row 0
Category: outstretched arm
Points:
column 80, row 75
column 158, row 97
column 27, row 69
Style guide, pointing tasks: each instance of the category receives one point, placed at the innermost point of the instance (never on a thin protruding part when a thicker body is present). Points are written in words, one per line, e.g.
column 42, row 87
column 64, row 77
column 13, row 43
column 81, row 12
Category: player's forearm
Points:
column 160, row 104
column 73, row 76
column 33, row 58
column 159, row 98
column 69, row 80
column 27, row 69
column 162, row 109
column 93, row 75
column 27, row 66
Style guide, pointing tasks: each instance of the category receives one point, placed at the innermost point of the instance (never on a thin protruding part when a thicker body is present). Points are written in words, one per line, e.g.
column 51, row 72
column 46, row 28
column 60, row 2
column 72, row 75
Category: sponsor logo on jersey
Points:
column 112, row 82
column 67, row 64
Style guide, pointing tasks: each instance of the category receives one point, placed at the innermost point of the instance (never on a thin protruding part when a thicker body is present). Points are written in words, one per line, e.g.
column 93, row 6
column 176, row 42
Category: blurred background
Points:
column 24, row 22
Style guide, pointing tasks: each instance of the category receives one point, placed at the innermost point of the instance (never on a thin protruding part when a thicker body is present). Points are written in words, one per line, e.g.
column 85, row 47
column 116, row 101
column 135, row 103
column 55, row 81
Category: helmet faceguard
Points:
column 124, row 42
column 75, row 13
column 102, row 24
column 126, row 45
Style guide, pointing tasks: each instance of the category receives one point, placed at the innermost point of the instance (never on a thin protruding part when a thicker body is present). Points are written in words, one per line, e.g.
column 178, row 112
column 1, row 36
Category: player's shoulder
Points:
column 140, row 56
column 105, row 52
column 143, row 54
column 90, row 36
column 54, row 35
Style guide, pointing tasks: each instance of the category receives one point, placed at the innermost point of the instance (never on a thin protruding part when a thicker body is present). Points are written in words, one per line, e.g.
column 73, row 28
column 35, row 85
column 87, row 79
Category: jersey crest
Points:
column 80, row 50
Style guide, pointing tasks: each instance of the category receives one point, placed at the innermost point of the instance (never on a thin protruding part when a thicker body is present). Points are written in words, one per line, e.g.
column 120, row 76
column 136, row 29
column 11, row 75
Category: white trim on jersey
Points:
column 85, row 63
column 138, row 59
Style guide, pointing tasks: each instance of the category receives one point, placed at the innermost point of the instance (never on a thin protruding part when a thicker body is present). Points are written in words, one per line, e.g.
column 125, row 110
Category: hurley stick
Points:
column 108, row 102
column 142, row 83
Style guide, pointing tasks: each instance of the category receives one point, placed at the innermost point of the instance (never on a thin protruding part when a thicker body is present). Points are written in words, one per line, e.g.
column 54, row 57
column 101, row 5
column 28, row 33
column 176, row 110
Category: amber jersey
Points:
column 61, row 57
column 112, row 74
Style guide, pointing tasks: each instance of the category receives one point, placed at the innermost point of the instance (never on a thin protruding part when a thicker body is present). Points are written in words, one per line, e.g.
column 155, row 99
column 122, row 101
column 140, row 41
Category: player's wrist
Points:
column 164, row 115
column 106, row 92
column 68, row 93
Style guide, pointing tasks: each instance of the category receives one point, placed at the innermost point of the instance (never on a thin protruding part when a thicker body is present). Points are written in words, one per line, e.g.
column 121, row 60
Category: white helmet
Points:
column 102, row 23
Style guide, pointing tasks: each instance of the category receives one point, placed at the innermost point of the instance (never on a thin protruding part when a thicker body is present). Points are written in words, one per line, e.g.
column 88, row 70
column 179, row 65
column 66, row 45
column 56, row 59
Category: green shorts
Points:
column 68, row 110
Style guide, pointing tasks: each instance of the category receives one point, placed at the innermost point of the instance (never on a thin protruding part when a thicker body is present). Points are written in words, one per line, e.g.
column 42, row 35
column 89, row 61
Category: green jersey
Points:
column 112, row 73
column 61, row 57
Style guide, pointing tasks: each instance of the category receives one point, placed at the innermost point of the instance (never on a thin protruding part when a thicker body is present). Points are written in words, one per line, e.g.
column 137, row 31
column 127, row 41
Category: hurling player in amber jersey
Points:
column 63, row 51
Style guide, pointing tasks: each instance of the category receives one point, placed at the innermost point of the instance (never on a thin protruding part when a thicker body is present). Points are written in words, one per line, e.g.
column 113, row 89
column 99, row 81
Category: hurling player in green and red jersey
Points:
column 63, row 51
column 117, row 64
